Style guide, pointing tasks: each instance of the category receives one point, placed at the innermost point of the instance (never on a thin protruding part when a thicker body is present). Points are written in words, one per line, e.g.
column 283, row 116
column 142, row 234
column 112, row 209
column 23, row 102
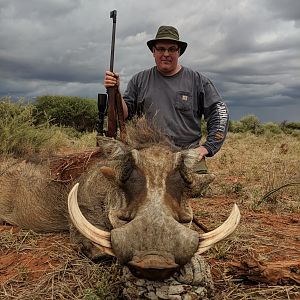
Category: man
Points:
column 175, row 98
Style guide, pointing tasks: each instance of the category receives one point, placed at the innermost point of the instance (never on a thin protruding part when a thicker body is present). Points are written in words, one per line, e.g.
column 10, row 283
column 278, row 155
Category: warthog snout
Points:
column 152, row 265
column 154, row 245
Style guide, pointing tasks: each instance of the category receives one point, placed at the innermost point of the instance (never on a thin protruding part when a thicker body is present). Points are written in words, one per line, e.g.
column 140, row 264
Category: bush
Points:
column 290, row 127
column 76, row 112
column 18, row 133
column 271, row 128
column 236, row 127
column 251, row 123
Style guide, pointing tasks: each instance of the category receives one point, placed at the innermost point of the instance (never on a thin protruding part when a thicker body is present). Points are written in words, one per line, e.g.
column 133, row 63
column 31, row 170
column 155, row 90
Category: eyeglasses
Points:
column 162, row 50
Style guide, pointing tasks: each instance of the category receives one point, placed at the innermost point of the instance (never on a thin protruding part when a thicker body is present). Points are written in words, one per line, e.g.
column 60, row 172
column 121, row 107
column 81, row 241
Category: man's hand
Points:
column 111, row 79
column 202, row 152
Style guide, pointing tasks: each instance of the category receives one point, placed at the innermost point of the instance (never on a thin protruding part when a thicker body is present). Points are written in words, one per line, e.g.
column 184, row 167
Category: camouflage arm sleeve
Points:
column 216, row 115
column 217, row 127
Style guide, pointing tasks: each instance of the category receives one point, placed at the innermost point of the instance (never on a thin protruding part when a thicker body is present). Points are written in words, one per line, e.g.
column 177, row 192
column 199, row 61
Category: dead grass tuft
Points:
column 45, row 267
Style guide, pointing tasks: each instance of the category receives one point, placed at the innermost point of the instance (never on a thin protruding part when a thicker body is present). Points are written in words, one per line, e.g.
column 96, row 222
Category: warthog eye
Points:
column 175, row 184
column 135, row 185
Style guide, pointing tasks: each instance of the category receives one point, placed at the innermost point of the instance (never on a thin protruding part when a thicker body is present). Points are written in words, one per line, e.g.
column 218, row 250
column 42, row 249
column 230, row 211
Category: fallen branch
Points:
column 277, row 273
column 268, row 194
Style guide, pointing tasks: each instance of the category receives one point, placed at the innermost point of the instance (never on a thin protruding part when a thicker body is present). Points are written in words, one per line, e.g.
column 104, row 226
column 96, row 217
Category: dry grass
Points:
column 251, row 166
column 46, row 266
column 39, row 267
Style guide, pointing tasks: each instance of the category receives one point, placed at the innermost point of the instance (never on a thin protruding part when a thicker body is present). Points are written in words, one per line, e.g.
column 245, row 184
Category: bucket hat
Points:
column 167, row 33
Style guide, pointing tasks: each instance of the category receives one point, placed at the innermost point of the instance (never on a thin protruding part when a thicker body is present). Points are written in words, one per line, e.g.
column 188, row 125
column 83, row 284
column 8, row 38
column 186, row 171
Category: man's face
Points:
column 166, row 60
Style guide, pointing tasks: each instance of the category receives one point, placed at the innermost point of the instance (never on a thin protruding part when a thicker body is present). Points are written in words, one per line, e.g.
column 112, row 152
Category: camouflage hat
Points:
column 167, row 33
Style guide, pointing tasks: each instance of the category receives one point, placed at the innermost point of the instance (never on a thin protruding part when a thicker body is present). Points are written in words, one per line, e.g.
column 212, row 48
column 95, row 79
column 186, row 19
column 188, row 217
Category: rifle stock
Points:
column 111, row 112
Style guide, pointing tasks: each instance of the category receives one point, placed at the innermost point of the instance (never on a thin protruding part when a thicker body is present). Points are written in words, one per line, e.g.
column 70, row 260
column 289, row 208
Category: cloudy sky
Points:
column 250, row 49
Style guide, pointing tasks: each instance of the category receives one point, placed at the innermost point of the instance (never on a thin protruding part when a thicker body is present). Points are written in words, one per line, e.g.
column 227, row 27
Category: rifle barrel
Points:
column 113, row 15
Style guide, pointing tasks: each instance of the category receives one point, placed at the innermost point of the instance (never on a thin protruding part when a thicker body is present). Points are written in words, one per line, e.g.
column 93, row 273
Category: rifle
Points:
column 113, row 107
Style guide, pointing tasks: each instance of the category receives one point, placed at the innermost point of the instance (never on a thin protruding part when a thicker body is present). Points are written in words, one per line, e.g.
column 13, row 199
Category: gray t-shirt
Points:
column 176, row 104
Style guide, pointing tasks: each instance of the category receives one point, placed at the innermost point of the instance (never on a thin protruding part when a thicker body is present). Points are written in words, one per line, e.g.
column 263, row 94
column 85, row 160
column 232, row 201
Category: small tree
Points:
column 251, row 123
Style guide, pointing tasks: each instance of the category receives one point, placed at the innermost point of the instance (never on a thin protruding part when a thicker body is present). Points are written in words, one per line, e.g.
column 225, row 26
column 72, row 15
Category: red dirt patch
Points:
column 28, row 262
column 267, row 246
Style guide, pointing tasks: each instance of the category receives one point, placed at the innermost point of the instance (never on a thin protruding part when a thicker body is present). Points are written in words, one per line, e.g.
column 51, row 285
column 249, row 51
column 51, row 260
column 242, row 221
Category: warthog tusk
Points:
column 207, row 240
column 100, row 237
column 104, row 249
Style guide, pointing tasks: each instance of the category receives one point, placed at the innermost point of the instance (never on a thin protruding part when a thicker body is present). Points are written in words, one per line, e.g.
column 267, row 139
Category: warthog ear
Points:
column 179, row 164
column 197, row 182
column 112, row 148
column 190, row 158
column 185, row 161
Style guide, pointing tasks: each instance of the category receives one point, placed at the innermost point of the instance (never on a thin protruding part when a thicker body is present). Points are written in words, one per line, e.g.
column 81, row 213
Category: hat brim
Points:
column 182, row 45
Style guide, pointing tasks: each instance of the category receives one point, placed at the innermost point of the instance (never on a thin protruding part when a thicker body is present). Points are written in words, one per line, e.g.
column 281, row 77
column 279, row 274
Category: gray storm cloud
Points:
column 250, row 48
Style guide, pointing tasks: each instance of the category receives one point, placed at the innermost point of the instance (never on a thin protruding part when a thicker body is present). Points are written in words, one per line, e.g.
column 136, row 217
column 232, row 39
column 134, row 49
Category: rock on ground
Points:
column 193, row 281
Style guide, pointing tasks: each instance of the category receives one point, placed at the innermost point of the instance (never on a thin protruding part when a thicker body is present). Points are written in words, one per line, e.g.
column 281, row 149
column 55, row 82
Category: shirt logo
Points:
column 184, row 97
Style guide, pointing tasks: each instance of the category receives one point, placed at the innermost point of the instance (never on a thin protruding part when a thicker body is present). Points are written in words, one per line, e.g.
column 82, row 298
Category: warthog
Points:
column 131, row 202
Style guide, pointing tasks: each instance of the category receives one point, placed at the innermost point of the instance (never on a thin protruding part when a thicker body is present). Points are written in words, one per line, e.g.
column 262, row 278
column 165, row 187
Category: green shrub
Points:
column 76, row 112
column 290, row 127
column 236, row 127
column 293, row 125
column 251, row 123
column 18, row 133
column 22, row 135
column 271, row 127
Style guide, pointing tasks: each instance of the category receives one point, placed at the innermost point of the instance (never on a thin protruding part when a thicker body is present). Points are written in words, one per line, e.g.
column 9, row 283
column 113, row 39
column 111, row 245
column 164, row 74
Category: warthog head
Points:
column 148, row 208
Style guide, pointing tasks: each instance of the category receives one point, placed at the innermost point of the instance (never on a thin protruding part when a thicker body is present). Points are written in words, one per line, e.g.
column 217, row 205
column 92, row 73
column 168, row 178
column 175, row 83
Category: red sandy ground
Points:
column 265, row 247
column 32, row 259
